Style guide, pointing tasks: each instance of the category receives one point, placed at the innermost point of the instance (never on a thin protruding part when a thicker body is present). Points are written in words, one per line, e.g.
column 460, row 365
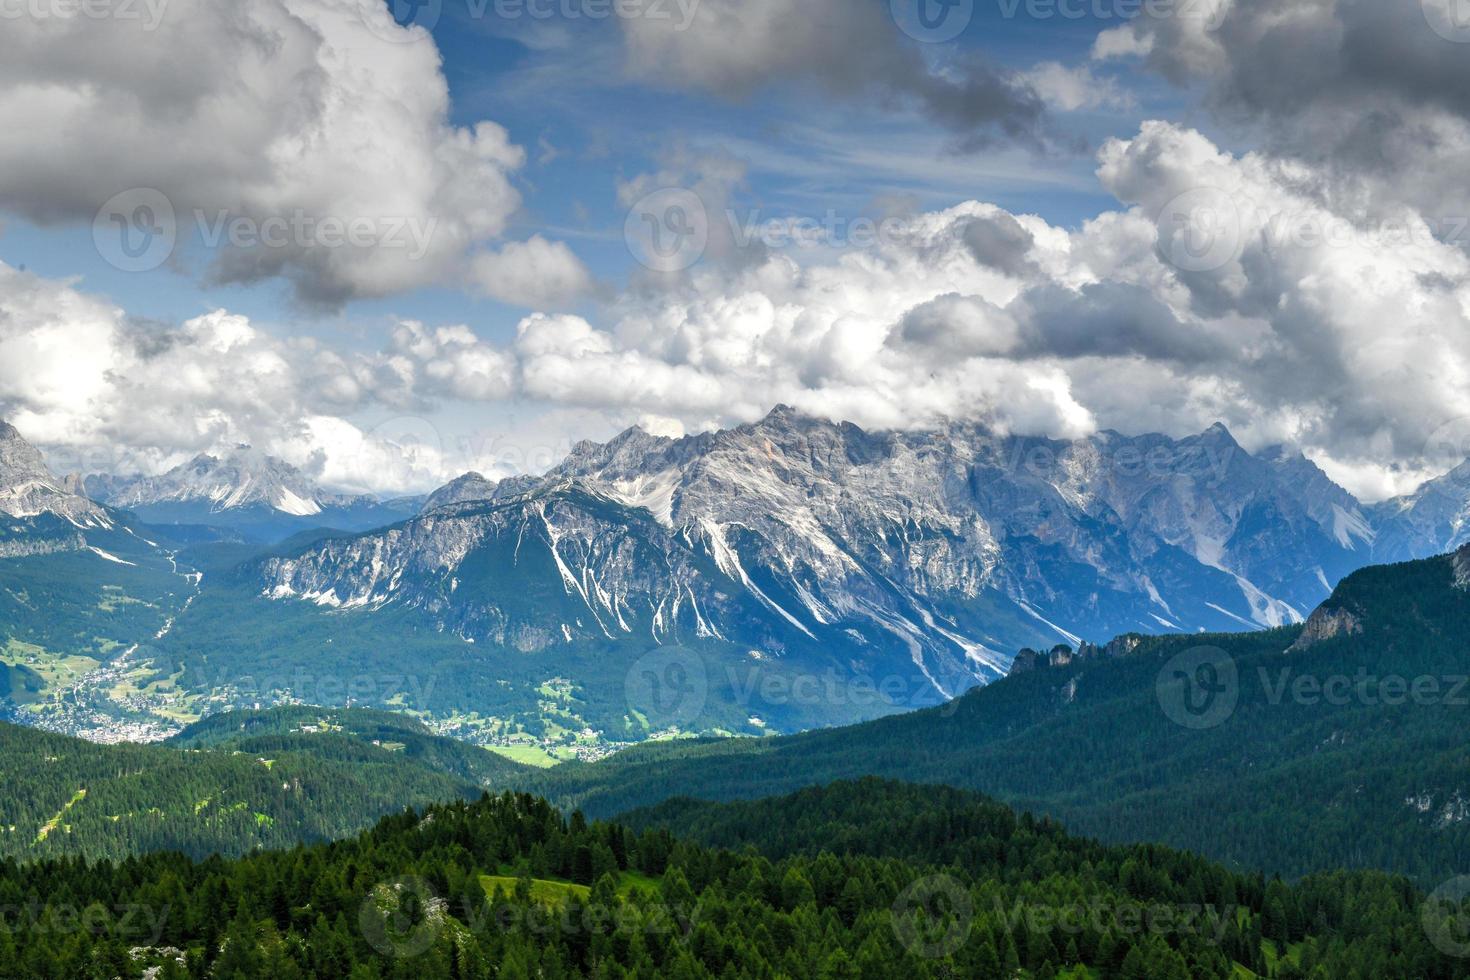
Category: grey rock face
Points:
column 471, row 486
column 950, row 547
column 28, row 489
column 1430, row 521
column 1324, row 624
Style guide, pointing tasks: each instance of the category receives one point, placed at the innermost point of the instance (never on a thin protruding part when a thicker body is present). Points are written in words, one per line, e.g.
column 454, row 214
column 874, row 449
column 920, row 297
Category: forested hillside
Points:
column 301, row 775
column 508, row 888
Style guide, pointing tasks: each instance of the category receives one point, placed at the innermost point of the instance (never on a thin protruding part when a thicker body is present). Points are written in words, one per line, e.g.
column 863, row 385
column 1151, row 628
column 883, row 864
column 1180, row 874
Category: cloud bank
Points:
column 1262, row 306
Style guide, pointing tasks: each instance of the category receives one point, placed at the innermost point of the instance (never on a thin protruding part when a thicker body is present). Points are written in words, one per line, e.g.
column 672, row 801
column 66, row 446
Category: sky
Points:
column 391, row 243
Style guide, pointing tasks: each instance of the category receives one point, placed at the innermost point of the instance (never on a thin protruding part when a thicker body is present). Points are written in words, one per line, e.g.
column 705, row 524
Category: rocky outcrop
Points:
column 1325, row 624
column 1026, row 661
column 1461, row 565
column 1063, row 655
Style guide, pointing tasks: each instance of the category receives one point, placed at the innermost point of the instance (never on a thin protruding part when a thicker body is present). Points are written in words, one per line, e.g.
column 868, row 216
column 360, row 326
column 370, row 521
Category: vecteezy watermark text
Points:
column 403, row 918
column 125, row 921
column 1205, row 229
column 147, row 13
column 391, row 24
column 1120, row 916
column 1203, row 687
column 139, row 230
column 301, row 686
column 671, row 687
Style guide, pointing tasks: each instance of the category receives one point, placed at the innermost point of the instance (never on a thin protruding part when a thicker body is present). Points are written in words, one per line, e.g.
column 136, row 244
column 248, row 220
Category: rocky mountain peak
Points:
column 28, row 488
column 245, row 477
column 471, row 486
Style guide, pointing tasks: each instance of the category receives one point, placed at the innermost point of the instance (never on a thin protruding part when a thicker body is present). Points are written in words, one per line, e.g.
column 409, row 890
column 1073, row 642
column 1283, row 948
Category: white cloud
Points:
column 1372, row 96
column 535, row 273
column 318, row 113
column 1071, row 89
column 1041, row 329
column 1122, row 42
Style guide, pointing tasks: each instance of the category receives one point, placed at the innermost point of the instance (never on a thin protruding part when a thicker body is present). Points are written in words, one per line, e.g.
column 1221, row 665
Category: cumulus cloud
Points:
column 103, row 392
column 535, row 273
column 303, row 139
column 1258, row 304
column 1372, row 95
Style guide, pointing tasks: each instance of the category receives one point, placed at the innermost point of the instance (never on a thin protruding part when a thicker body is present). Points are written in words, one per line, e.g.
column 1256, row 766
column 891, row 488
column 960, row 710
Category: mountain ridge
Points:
column 244, row 489
column 958, row 544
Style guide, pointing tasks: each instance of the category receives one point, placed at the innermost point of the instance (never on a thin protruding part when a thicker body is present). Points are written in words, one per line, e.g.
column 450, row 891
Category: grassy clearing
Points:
column 553, row 893
column 558, row 893
column 530, row 755
column 55, row 821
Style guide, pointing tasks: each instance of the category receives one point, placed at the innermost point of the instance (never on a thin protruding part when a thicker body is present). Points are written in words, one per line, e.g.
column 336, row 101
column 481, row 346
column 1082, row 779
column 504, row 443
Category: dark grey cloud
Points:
column 1000, row 242
column 1114, row 319
column 1368, row 92
column 849, row 48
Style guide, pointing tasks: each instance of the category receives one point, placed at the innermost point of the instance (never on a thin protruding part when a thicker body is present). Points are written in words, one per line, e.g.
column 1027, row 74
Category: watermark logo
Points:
column 668, row 687
column 1445, row 919
column 932, row 917
column 1200, row 688
column 136, row 230
column 1449, row 443
column 932, row 21
column 1200, row 230
column 148, row 13
column 1210, row 13
column 139, row 230
column 1450, row 19
column 401, row 918
column 668, row 231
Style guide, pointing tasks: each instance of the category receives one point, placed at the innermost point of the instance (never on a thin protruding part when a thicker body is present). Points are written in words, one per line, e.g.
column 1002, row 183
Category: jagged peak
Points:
column 1219, row 433
column 28, row 488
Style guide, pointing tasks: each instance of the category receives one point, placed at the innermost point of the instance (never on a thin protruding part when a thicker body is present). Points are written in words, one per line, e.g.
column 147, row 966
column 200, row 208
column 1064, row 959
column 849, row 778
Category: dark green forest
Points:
column 229, row 784
column 866, row 880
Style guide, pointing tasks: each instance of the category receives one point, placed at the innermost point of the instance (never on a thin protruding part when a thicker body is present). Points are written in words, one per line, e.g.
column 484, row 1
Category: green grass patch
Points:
column 553, row 893
column 529, row 755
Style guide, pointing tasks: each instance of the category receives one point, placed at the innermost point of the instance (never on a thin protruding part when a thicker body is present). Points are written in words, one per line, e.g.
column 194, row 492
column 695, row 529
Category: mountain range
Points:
column 789, row 551
column 937, row 553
